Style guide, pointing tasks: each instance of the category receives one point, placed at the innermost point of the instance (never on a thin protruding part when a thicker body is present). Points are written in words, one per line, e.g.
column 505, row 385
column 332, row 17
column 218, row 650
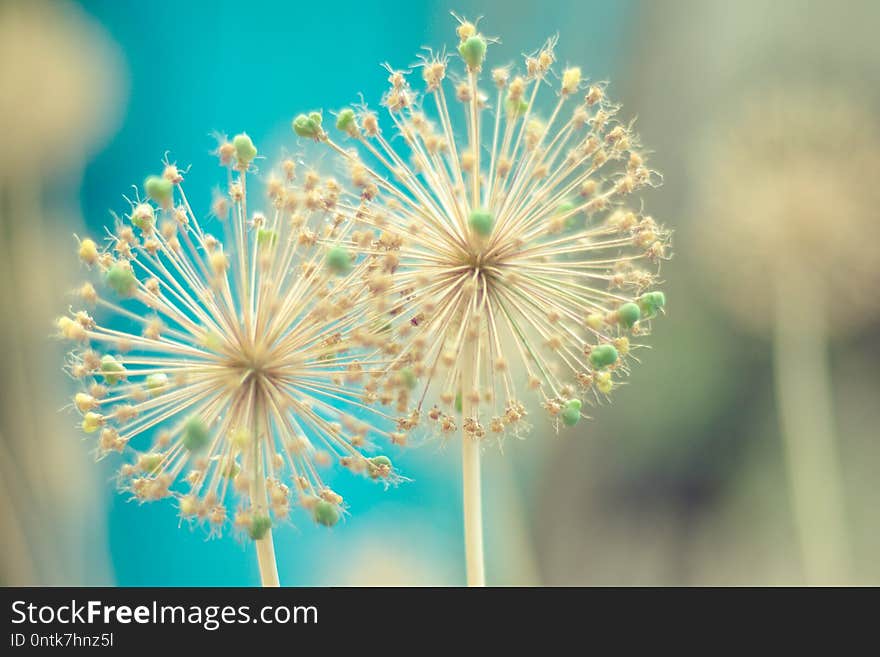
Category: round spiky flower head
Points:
column 520, row 261
column 784, row 184
column 224, row 367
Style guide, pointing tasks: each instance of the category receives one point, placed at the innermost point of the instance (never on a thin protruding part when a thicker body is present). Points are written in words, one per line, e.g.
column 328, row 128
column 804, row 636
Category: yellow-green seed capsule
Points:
column 150, row 463
column 143, row 216
column 308, row 125
column 121, row 279
column 156, row 383
column 231, row 469
column 260, row 526
column 240, row 438
column 571, row 414
column 604, row 383
column 516, row 107
column 325, row 513
column 603, row 355
column 564, row 208
column 481, row 222
column 112, row 369
column 473, row 51
column 159, row 189
column 266, row 238
column 245, row 151
column 346, row 122
column 651, row 302
column 195, row 435
column 338, row 260
column 408, row 378
column 92, row 422
column 628, row 314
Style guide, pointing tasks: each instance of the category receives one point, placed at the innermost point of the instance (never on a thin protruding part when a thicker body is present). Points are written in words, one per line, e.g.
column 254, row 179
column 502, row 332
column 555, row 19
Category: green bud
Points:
column 156, row 382
column 266, row 238
column 571, row 414
column 564, row 208
column 516, row 107
column 338, row 260
column 159, row 189
column 112, row 369
column 231, row 469
column 308, row 125
column 603, row 355
column 121, row 279
column 481, row 222
column 245, row 151
column 150, row 462
column 195, row 434
column 325, row 513
column 143, row 216
column 408, row 378
column 381, row 460
column 473, row 51
column 347, row 122
column 260, row 526
column 628, row 314
column 651, row 302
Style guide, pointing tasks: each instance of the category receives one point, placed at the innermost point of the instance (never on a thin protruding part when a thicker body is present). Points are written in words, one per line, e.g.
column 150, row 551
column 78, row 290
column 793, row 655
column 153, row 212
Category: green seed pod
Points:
column 231, row 469
column 143, row 216
column 481, row 222
column 112, row 369
column 564, row 208
column 245, row 151
column 473, row 51
column 408, row 378
column 603, row 355
column 381, row 460
column 651, row 302
column 571, row 414
column 266, row 238
column 195, row 435
column 325, row 513
column 628, row 314
column 338, row 260
column 150, row 463
column 308, row 125
column 121, row 279
column 516, row 107
column 260, row 526
column 159, row 189
column 346, row 122
column 156, row 382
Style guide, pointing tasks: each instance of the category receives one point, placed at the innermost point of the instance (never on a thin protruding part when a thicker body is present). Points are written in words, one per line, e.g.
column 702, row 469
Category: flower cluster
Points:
column 519, row 260
column 228, row 364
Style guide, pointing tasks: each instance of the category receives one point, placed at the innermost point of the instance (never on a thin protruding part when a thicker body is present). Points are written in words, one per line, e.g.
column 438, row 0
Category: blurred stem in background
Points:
column 470, row 474
column 803, row 389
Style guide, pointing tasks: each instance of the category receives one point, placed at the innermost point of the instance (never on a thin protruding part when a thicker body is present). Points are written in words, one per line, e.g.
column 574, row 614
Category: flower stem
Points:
column 473, row 512
column 265, row 545
column 266, row 561
column 470, row 471
column 803, row 392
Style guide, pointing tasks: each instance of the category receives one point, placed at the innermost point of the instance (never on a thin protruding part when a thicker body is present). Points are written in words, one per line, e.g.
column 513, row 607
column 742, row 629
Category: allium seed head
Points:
column 520, row 260
column 221, row 362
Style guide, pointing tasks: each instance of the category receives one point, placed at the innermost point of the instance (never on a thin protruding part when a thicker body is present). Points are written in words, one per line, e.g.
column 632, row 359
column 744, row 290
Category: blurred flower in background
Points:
column 60, row 96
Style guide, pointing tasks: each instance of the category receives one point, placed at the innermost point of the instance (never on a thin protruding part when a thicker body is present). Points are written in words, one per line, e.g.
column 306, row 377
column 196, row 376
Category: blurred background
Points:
column 744, row 450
